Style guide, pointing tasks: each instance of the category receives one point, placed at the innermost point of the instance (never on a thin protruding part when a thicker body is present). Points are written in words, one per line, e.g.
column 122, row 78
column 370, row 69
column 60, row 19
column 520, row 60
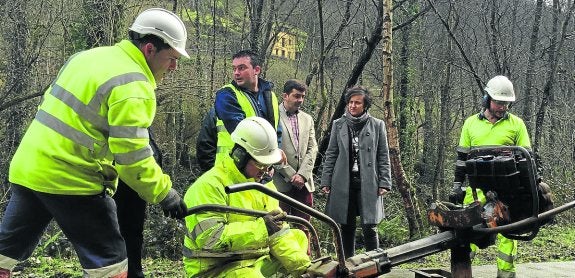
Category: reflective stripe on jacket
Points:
column 214, row 239
column 225, row 144
column 97, row 110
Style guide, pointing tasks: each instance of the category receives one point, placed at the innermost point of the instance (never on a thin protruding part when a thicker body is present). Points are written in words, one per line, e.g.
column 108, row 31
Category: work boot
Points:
column 4, row 273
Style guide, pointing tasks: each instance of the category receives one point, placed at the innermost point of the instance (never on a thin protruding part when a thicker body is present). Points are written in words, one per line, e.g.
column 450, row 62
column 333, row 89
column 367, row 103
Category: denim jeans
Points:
column 89, row 223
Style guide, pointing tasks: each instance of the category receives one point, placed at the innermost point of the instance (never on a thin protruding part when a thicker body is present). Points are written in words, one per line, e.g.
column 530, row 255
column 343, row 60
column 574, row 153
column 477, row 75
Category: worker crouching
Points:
column 221, row 244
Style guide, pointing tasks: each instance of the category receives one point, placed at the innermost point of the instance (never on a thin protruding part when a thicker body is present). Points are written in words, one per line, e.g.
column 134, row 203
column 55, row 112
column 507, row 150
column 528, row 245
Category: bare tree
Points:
column 530, row 70
column 103, row 21
column 404, row 187
column 555, row 47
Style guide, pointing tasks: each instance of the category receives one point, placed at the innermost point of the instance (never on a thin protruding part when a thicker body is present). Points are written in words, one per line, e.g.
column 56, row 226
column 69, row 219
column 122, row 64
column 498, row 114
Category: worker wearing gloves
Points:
column 494, row 126
column 230, row 245
column 94, row 114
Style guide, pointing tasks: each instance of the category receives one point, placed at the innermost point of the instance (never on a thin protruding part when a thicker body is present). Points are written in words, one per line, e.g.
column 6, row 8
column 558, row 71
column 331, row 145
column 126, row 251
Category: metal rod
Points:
column 525, row 223
column 420, row 248
column 299, row 206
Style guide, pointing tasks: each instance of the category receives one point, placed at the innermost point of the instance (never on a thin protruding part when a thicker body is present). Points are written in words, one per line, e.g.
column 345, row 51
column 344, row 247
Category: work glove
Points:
column 173, row 205
column 457, row 193
column 273, row 221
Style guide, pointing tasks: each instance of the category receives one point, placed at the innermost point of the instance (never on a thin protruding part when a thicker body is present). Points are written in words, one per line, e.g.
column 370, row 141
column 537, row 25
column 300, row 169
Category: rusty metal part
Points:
column 525, row 223
column 464, row 217
column 495, row 214
column 303, row 208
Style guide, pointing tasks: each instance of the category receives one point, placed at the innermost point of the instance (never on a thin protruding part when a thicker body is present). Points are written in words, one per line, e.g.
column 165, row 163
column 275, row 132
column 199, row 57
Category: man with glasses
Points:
column 494, row 126
column 220, row 244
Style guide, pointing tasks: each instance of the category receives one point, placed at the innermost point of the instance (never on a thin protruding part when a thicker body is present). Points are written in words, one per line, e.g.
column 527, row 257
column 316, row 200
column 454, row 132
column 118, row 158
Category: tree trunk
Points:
column 389, row 116
column 364, row 57
column 530, row 70
column 555, row 47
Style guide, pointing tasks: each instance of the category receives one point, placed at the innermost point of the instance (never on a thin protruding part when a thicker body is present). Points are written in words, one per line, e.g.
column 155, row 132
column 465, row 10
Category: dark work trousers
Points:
column 370, row 236
column 131, row 215
column 89, row 223
column 303, row 196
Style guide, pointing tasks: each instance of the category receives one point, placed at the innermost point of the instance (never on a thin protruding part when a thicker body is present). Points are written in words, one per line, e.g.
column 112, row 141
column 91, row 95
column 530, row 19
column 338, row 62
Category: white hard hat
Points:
column 165, row 25
column 257, row 136
column 500, row 88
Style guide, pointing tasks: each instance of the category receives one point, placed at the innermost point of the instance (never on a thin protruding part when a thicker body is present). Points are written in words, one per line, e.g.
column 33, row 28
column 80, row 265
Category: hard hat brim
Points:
column 182, row 51
column 499, row 97
column 272, row 158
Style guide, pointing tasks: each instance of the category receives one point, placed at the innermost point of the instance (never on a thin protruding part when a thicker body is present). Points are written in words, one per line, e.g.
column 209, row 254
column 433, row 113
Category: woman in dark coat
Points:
column 356, row 171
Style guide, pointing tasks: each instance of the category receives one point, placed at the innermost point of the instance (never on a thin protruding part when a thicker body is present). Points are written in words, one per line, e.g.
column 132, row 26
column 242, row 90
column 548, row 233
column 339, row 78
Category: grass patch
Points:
column 552, row 244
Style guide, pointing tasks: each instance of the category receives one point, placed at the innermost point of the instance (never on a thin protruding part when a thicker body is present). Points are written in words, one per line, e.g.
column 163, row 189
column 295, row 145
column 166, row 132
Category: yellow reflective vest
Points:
column 217, row 240
column 96, row 111
column 225, row 143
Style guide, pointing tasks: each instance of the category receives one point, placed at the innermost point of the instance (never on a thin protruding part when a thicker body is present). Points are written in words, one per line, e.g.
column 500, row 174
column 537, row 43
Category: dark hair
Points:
column 254, row 57
column 139, row 40
column 294, row 84
column 359, row 90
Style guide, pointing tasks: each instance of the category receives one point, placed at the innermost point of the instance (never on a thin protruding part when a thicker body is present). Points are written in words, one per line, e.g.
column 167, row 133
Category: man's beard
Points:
column 497, row 114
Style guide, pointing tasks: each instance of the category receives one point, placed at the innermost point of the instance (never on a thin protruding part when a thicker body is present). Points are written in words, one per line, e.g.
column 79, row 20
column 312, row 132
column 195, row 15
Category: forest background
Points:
column 426, row 62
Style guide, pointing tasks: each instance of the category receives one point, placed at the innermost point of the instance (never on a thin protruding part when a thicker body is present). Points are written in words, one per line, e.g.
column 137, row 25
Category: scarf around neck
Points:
column 356, row 123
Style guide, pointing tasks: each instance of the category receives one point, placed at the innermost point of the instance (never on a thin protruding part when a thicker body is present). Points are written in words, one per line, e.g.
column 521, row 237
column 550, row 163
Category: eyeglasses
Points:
column 501, row 103
column 262, row 167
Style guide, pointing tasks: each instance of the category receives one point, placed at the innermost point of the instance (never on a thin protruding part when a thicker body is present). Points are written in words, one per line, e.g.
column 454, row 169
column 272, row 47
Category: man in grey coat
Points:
column 356, row 171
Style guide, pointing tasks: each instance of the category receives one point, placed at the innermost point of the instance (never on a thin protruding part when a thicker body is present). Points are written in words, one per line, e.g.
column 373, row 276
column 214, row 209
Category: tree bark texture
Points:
column 399, row 176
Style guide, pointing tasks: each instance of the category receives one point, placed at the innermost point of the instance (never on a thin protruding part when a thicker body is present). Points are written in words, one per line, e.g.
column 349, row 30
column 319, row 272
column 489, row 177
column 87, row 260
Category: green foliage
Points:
column 555, row 242
column 207, row 20
column 393, row 231
column 48, row 267
column 280, row 70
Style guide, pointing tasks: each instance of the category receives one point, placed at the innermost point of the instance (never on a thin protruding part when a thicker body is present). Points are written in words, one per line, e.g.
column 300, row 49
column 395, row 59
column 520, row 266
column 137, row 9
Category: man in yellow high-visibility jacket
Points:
column 494, row 126
column 96, row 112
column 219, row 244
column 247, row 95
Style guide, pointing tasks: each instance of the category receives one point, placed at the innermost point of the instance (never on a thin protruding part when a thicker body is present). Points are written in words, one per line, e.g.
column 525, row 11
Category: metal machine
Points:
column 506, row 175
